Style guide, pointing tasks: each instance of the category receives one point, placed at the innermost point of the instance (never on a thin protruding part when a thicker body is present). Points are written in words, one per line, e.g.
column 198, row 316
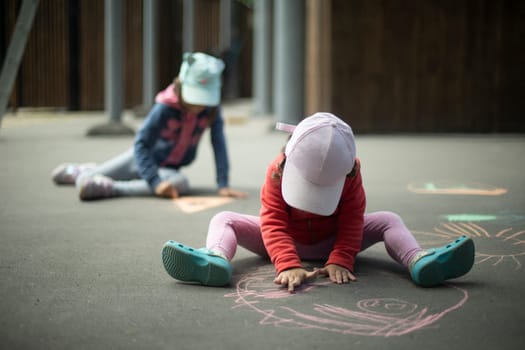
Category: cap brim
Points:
column 285, row 127
column 203, row 97
column 304, row 195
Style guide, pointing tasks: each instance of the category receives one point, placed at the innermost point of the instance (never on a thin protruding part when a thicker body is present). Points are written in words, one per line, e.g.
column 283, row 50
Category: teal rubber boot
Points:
column 434, row 266
column 195, row 265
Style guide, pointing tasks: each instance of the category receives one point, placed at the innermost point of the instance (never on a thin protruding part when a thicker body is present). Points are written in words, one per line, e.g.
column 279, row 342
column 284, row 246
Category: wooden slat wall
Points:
column 412, row 65
column 44, row 76
column 91, row 54
column 429, row 66
column 170, row 41
column 207, row 26
column 132, row 75
column 63, row 65
column 45, row 64
column 511, row 93
column 245, row 59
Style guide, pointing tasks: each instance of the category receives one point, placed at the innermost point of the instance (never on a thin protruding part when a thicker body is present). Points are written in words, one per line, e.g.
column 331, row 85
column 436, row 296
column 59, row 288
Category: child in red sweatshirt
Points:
column 313, row 208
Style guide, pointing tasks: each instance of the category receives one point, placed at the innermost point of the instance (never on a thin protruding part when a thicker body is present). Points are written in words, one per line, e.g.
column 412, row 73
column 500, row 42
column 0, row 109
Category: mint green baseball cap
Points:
column 200, row 77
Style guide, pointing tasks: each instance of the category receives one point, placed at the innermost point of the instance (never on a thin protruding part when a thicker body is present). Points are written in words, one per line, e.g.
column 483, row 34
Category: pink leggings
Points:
column 229, row 229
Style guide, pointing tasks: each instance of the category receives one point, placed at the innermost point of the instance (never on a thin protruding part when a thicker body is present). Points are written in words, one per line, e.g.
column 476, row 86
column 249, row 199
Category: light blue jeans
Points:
column 127, row 181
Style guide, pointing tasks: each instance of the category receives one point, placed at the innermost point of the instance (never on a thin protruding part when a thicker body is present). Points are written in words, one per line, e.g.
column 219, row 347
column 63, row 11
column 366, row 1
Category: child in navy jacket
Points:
column 167, row 141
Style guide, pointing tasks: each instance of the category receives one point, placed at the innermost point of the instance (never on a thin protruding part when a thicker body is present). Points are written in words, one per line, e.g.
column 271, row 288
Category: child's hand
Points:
column 337, row 274
column 228, row 192
column 165, row 189
column 294, row 277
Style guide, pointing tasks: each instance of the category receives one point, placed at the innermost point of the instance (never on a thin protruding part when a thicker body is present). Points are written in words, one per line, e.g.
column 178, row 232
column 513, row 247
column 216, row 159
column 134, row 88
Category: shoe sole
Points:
column 452, row 261
column 189, row 265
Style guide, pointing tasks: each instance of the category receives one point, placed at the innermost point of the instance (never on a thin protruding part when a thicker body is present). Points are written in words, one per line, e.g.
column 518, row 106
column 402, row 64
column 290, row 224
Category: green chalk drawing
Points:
column 429, row 186
column 502, row 217
column 469, row 217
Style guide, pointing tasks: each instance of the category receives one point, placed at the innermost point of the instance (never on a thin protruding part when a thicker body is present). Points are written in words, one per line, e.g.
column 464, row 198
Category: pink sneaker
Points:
column 96, row 187
column 67, row 173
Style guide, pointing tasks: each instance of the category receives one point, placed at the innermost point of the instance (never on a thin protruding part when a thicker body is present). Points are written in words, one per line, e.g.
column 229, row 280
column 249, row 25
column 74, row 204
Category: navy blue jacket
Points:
column 168, row 138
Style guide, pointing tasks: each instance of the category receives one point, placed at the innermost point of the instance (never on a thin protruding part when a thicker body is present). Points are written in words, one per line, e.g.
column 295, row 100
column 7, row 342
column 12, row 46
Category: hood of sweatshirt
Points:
column 168, row 97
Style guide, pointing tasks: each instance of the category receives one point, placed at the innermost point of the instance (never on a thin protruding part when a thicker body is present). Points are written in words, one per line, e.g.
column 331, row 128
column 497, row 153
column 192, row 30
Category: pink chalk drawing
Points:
column 503, row 247
column 373, row 316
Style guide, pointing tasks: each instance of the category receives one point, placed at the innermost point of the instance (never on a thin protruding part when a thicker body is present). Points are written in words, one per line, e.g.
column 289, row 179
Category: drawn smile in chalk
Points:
column 506, row 246
column 367, row 316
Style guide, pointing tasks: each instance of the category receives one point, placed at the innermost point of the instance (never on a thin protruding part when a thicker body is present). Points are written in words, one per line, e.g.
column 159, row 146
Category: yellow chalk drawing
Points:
column 502, row 247
column 192, row 204
column 450, row 188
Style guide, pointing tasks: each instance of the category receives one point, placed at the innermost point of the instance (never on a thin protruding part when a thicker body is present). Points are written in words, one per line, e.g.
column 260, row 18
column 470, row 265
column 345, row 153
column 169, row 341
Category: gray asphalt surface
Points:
column 88, row 275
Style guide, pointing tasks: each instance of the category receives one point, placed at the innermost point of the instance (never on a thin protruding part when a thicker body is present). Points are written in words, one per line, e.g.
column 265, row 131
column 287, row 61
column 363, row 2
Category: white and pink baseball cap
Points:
column 319, row 155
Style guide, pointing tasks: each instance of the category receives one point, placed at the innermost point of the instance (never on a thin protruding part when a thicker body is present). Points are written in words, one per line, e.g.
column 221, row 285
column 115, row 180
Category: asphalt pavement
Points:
column 88, row 275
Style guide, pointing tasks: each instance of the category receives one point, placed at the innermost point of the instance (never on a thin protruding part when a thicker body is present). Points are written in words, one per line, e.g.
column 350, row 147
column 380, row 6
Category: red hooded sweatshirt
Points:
column 283, row 225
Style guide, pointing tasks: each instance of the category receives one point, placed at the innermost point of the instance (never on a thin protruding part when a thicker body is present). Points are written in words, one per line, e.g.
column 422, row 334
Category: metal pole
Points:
column 113, row 71
column 229, row 49
column 225, row 33
column 113, row 58
column 262, row 57
column 16, row 49
column 289, row 60
column 188, row 20
column 149, row 65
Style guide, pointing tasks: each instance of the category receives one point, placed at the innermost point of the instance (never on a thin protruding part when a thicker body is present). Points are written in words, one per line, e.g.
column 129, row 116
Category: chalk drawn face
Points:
column 375, row 308
column 344, row 309
column 503, row 247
